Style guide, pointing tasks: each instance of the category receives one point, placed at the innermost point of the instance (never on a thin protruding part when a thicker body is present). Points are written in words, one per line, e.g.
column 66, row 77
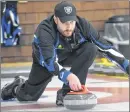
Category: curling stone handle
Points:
column 83, row 91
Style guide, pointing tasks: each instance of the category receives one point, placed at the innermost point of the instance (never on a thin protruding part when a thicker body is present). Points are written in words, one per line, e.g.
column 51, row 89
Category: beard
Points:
column 66, row 33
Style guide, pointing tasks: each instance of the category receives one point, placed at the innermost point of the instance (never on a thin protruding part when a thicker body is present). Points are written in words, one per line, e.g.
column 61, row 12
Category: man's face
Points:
column 67, row 28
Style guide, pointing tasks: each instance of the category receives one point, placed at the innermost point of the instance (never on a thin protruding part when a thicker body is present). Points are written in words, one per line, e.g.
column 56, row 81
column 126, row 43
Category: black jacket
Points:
column 50, row 48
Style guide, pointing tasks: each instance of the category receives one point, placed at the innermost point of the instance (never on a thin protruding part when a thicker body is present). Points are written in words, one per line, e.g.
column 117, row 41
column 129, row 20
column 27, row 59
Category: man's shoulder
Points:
column 47, row 22
column 82, row 21
column 46, row 26
column 83, row 25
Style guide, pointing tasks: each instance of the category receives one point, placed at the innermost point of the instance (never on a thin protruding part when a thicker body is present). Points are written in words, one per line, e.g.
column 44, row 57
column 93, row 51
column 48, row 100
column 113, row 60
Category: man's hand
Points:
column 126, row 66
column 128, row 70
column 74, row 82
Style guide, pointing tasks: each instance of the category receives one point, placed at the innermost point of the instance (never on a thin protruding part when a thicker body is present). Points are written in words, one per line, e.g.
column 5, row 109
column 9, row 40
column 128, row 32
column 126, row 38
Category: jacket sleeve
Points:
column 106, row 48
column 47, row 54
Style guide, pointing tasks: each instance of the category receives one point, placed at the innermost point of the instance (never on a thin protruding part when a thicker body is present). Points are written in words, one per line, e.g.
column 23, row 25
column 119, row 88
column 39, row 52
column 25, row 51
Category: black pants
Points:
column 39, row 77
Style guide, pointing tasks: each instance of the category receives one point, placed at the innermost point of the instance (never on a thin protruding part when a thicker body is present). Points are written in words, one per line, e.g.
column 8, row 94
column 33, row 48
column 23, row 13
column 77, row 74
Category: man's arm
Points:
column 47, row 55
column 107, row 49
column 47, row 58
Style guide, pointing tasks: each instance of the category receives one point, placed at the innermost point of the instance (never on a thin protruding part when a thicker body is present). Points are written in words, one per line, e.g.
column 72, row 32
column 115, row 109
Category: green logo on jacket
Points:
column 60, row 46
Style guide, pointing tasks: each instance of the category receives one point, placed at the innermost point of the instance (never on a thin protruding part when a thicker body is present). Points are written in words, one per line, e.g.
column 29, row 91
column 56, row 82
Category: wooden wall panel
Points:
column 32, row 13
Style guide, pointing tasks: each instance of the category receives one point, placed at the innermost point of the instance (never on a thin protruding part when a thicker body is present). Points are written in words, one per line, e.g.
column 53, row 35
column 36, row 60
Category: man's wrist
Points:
column 63, row 75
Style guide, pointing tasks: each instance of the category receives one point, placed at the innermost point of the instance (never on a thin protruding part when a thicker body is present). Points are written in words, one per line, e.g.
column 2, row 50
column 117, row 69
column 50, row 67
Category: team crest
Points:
column 68, row 9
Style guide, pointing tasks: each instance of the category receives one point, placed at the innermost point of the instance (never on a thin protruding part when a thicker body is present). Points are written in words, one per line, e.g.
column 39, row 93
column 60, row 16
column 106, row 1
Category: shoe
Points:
column 8, row 90
column 60, row 96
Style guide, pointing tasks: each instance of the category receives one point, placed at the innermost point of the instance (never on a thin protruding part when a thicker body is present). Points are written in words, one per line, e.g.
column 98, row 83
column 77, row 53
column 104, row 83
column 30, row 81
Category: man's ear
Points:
column 55, row 19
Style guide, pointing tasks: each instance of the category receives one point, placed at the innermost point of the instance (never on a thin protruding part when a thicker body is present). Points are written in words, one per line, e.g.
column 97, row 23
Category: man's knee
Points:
column 90, row 49
column 28, row 92
column 22, row 95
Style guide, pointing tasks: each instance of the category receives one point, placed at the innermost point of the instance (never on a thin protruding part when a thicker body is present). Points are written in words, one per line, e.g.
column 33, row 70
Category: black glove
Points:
column 126, row 66
column 128, row 69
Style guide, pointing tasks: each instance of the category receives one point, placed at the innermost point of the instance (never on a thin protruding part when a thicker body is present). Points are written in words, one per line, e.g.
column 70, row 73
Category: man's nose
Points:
column 68, row 26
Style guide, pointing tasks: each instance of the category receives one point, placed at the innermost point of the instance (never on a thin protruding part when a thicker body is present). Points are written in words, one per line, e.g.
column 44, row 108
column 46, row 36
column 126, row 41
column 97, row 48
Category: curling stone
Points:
column 80, row 100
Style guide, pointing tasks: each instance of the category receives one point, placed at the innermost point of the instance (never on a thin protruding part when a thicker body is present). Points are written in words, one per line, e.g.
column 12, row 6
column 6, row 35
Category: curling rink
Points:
column 112, row 93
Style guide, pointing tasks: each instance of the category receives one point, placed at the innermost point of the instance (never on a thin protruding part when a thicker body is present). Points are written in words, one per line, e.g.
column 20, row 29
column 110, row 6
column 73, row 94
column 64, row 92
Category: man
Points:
column 61, row 39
